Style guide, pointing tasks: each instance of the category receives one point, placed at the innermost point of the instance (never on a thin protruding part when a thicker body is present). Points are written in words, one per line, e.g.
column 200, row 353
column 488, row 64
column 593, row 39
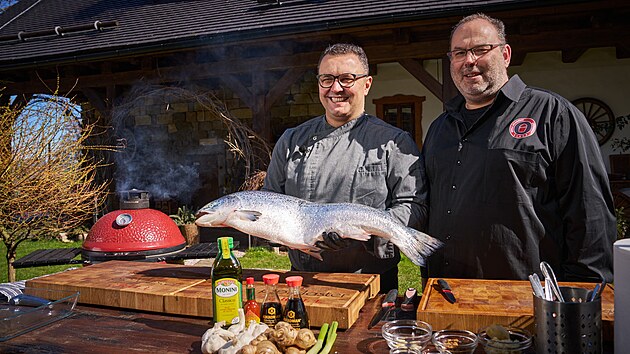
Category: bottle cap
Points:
column 228, row 239
column 294, row 280
column 271, row 279
column 249, row 280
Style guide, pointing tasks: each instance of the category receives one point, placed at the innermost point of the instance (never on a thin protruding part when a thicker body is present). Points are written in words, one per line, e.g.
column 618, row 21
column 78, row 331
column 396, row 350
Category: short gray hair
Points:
column 346, row 48
column 496, row 23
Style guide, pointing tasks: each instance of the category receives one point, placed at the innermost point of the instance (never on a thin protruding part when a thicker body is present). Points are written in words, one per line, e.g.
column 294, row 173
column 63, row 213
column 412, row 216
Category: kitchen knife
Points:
column 388, row 304
column 445, row 289
column 409, row 301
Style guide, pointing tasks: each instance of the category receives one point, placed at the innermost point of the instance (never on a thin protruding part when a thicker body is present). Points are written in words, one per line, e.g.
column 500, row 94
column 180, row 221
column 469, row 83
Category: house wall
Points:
column 196, row 137
column 597, row 73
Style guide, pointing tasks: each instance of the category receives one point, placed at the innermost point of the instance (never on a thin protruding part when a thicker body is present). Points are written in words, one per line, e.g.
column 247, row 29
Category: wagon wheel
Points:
column 126, row 143
column 599, row 116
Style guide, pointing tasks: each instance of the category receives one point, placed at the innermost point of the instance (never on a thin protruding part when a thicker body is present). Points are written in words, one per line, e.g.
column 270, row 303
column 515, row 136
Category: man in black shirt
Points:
column 515, row 173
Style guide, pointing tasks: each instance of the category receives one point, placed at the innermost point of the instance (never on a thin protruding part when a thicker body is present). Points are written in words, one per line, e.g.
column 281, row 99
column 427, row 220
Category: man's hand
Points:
column 333, row 242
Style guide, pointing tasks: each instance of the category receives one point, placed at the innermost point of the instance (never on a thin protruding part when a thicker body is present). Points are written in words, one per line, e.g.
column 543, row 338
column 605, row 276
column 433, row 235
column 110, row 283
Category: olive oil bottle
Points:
column 227, row 287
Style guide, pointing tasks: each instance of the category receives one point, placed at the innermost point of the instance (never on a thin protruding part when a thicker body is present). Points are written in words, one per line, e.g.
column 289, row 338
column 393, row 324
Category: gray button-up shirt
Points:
column 365, row 161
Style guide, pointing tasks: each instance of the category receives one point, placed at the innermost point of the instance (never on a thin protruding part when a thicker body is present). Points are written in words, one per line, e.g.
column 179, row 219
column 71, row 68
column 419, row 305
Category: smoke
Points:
column 151, row 158
column 149, row 164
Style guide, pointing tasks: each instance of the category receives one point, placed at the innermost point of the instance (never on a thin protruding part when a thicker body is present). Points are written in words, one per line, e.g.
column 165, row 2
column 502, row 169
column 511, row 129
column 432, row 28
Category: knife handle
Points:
column 409, row 301
column 443, row 284
column 390, row 298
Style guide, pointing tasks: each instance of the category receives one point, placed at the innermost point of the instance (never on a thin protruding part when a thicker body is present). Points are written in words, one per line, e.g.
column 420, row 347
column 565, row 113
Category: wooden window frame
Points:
column 399, row 99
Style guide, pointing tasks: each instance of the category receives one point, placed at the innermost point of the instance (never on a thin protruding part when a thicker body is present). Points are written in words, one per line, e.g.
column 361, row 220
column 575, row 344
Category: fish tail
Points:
column 416, row 245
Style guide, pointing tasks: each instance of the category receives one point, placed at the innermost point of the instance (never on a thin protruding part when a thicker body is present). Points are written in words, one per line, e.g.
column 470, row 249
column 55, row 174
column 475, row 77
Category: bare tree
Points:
column 47, row 173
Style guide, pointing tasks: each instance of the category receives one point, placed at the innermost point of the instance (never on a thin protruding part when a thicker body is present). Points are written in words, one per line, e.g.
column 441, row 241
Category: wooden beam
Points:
column 572, row 55
column 234, row 84
column 261, row 118
column 517, row 58
column 622, row 51
column 449, row 90
column 415, row 68
column 280, row 88
column 96, row 100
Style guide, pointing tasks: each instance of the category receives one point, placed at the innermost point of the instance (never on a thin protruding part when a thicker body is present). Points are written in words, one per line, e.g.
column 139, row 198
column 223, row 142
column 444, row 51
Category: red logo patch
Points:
column 522, row 128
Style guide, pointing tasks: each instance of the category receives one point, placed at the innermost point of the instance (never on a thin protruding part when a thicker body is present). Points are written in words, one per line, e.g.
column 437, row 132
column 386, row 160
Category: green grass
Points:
column 27, row 247
column 259, row 257
column 255, row 257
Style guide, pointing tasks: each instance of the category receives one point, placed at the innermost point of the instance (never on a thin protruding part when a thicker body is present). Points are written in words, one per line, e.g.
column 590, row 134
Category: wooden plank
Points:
column 481, row 303
column 186, row 290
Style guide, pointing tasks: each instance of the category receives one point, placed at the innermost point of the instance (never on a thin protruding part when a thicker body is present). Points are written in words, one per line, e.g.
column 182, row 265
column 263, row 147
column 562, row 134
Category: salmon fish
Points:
column 299, row 224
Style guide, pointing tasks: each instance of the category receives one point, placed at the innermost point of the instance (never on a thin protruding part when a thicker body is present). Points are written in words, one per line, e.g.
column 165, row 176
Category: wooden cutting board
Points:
column 186, row 290
column 481, row 303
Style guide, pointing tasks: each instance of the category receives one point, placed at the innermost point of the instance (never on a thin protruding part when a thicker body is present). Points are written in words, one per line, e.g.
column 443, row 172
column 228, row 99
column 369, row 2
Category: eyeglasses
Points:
column 477, row 52
column 345, row 80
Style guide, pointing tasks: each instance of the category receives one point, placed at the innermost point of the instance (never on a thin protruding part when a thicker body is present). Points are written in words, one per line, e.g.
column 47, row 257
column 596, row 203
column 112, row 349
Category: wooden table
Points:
column 109, row 330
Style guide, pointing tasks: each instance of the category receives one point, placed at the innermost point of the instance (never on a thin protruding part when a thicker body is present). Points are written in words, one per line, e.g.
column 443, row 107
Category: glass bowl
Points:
column 455, row 341
column 411, row 334
column 520, row 342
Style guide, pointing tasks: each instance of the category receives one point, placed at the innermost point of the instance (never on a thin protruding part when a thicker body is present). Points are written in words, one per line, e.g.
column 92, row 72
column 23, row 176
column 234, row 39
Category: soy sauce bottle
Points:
column 295, row 311
column 227, row 288
column 271, row 311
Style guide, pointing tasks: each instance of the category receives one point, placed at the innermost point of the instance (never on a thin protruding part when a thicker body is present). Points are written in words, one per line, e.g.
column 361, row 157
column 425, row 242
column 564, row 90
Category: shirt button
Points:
column 448, row 237
column 314, row 138
column 459, row 162
column 449, row 211
column 446, row 263
column 454, row 187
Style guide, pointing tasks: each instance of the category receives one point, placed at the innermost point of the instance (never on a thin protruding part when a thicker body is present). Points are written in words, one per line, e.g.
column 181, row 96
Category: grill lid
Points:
column 135, row 228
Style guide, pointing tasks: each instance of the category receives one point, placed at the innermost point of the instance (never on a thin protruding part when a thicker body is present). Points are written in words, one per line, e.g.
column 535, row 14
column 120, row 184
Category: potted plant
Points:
column 185, row 220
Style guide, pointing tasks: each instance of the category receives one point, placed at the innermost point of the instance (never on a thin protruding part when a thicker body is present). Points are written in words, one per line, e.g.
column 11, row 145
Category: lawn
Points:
column 256, row 257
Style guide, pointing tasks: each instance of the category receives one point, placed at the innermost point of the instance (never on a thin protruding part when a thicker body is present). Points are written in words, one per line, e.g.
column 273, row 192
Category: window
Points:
column 404, row 112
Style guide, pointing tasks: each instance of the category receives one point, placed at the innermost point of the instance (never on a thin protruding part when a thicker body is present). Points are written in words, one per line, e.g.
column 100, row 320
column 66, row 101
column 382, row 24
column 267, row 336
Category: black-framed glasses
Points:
column 346, row 80
column 476, row 51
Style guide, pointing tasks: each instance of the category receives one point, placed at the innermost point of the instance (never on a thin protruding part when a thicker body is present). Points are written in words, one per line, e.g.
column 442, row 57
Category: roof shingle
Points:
column 161, row 23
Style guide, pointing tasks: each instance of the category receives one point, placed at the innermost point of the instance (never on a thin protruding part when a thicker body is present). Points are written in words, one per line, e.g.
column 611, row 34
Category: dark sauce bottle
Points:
column 295, row 311
column 271, row 310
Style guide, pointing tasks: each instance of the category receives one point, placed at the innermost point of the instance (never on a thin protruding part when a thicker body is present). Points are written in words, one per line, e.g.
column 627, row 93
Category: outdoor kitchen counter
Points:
column 110, row 330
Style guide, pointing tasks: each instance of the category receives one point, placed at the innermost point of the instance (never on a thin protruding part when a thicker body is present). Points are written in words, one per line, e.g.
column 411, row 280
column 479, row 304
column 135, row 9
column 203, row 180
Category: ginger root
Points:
column 284, row 335
column 305, row 338
column 267, row 347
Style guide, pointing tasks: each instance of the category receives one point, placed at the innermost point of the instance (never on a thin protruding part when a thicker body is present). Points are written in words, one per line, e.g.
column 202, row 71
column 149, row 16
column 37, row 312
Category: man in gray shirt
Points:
column 347, row 155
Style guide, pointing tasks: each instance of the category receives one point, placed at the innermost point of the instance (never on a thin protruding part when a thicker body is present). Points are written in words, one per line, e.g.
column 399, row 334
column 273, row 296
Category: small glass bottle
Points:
column 227, row 289
column 252, row 307
column 295, row 311
column 271, row 311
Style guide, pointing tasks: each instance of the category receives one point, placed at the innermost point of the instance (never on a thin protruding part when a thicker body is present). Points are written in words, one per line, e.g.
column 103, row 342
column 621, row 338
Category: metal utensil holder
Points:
column 574, row 326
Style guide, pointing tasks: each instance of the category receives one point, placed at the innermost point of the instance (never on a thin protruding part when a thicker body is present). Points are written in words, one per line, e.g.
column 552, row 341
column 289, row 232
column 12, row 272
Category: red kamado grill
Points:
column 134, row 233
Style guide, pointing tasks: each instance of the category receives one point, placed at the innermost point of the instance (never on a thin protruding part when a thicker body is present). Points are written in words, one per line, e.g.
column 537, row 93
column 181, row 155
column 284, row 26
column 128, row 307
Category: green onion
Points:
column 330, row 338
column 320, row 340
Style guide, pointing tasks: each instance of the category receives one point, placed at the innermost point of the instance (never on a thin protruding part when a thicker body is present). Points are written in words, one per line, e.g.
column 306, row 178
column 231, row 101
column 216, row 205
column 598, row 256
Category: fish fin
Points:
column 250, row 215
column 351, row 231
column 416, row 245
column 313, row 252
